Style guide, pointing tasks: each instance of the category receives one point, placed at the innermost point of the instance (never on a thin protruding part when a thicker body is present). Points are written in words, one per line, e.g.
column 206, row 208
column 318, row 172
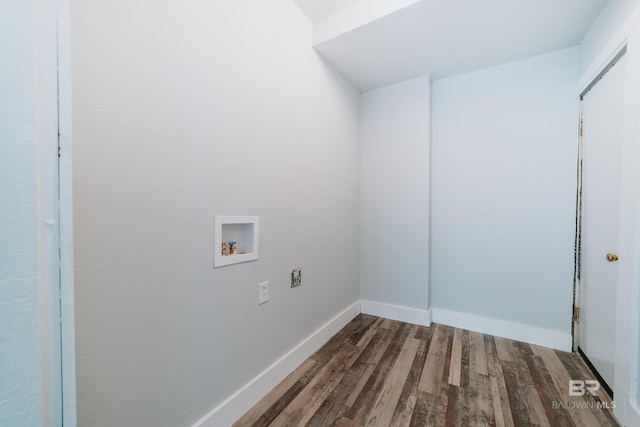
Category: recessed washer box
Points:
column 243, row 230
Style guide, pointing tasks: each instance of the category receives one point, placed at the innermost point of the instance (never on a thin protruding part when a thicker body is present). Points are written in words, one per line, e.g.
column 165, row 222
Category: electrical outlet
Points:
column 263, row 292
column 296, row 277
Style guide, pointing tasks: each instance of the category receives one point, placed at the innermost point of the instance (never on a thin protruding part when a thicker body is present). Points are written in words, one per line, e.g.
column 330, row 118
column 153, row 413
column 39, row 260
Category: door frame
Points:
column 65, row 194
column 577, row 271
column 577, row 282
column 48, row 242
column 55, row 213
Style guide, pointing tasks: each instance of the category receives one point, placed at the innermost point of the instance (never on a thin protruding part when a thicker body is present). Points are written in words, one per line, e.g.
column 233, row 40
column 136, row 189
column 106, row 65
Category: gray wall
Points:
column 503, row 191
column 394, row 207
column 183, row 111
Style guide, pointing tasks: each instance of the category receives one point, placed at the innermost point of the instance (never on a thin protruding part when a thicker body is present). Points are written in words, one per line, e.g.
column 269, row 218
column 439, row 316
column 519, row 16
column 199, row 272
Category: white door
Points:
column 602, row 150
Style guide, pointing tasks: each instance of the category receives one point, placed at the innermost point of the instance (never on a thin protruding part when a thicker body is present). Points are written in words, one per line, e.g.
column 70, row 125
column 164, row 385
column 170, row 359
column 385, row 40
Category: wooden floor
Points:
column 379, row 372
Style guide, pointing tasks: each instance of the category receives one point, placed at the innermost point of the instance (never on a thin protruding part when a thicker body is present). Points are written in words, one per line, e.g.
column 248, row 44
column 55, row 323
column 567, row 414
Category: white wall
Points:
column 394, row 199
column 626, row 387
column 612, row 17
column 29, row 331
column 183, row 111
column 504, row 150
column 610, row 38
column 19, row 344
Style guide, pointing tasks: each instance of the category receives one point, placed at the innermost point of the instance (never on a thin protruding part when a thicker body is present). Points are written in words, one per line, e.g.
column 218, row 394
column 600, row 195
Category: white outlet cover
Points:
column 263, row 292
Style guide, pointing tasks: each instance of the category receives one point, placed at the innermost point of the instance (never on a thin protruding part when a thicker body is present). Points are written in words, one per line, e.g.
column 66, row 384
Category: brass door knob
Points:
column 612, row 257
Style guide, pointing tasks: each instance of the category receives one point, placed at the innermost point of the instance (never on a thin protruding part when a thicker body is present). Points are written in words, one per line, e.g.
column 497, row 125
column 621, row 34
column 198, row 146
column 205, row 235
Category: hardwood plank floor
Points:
column 379, row 372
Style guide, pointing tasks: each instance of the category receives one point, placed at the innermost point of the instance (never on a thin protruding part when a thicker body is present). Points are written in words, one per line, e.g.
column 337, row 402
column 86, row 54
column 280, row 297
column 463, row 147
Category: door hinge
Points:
column 576, row 314
column 580, row 128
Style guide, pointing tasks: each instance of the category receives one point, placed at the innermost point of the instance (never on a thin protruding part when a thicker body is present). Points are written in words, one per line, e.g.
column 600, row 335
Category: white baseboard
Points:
column 236, row 405
column 502, row 328
column 396, row 312
column 227, row 412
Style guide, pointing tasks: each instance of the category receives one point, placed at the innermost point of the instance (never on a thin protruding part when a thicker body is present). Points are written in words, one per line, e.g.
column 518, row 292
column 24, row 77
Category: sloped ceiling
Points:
column 373, row 43
column 318, row 9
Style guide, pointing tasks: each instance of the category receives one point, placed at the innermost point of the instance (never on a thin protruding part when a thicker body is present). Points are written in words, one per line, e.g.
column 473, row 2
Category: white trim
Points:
column 607, row 56
column 227, row 412
column 627, row 308
column 46, row 126
column 397, row 312
column 503, row 328
column 67, row 305
column 625, row 411
column 608, row 52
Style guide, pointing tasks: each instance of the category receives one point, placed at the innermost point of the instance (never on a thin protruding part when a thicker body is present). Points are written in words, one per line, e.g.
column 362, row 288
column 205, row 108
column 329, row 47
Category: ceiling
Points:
column 372, row 46
column 318, row 9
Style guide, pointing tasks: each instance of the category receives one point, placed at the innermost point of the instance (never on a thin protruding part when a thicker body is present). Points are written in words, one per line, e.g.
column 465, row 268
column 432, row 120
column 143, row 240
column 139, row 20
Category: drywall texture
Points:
column 504, row 150
column 19, row 342
column 394, row 200
column 182, row 111
column 612, row 17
